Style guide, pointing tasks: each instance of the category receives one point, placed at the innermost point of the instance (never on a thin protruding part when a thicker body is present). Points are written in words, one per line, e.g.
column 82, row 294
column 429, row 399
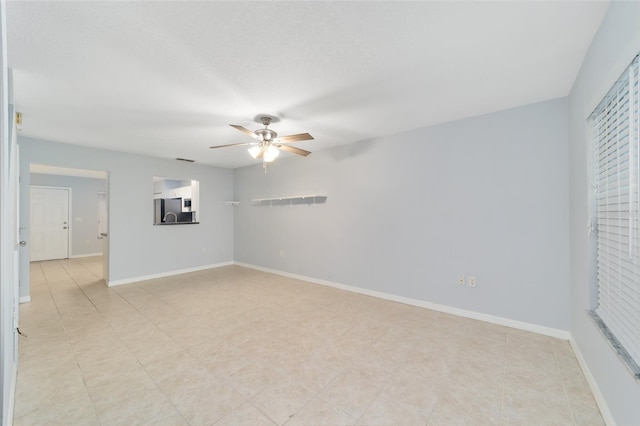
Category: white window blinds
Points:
column 616, row 180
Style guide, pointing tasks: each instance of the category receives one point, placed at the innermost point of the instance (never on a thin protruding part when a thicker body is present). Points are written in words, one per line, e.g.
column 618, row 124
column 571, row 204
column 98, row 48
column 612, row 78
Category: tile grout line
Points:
column 75, row 356
column 504, row 380
column 564, row 390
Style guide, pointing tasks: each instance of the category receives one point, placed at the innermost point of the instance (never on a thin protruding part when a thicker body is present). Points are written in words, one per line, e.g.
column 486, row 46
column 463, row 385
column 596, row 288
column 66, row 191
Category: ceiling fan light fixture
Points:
column 266, row 145
column 270, row 154
column 254, row 151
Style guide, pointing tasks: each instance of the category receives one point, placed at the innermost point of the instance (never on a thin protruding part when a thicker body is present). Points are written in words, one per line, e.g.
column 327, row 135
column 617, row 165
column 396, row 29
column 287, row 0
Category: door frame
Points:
column 69, row 214
column 106, row 205
column 9, row 246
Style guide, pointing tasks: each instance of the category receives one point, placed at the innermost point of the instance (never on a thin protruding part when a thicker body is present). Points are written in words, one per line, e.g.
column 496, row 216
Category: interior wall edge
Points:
column 507, row 322
column 593, row 384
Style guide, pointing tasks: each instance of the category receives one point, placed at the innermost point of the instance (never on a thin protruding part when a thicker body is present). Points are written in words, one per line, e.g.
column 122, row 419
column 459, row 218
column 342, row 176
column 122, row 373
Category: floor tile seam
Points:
column 566, row 395
column 353, row 325
column 147, row 317
column 319, row 395
column 83, row 373
column 393, row 372
column 81, row 264
column 226, row 413
column 138, row 353
column 163, row 392
column 225, row 378
column 283, row 369
column 290, row 417
column 53, row 299
column 81, row 289
column 313, row 399
column 108, row 407
column 281, row 372
column 503, row 388
column 432, row 409
column 248, row 401
column 85, row 293
column 84, row 383
column 118, row 332
column 190, row 346
column 181, row 346
column 381, row 389
column 151, row 320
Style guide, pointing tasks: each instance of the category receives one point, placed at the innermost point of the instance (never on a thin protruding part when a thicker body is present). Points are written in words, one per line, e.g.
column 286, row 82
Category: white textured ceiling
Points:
column 166, row 78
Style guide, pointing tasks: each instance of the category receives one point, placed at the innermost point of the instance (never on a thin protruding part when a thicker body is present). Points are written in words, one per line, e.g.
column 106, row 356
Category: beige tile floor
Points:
column 233, row 346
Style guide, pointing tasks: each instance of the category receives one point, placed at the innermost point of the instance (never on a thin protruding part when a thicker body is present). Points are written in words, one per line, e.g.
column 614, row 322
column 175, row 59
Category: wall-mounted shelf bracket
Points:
column 290, row 200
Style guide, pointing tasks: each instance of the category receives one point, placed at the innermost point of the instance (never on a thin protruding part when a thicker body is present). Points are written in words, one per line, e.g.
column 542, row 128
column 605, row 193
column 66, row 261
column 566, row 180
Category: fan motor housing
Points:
column 266, row 134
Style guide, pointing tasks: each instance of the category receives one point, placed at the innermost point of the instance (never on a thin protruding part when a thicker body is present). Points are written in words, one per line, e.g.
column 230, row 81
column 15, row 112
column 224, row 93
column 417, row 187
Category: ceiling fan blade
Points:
column 295, row 138
column 293, row 149
column 261, row 153
column 231, row 144
column 245, row 131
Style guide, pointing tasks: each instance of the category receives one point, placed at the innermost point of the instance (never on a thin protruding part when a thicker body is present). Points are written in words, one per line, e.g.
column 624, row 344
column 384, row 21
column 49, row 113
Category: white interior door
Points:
column 49, row 223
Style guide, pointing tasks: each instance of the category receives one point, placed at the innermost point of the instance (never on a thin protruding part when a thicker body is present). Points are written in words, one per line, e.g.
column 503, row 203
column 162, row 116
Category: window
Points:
column 616, row 180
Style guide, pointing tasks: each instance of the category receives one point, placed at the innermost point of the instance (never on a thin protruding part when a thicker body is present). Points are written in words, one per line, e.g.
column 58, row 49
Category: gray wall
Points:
column 406, row 214
column 612, row 49
column 84, row 209
column 137, row 247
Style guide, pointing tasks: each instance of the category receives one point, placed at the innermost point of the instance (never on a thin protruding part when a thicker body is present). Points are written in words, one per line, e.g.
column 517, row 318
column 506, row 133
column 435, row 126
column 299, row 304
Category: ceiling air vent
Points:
column 185, row 159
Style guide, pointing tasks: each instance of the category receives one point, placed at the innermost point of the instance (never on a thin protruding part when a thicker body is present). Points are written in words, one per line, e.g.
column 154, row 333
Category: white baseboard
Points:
column 166, row 274
column 25, row 299
column 597, row 394
column 534, row 328
column 77, row 256
column 12, row 394
column 520, row 325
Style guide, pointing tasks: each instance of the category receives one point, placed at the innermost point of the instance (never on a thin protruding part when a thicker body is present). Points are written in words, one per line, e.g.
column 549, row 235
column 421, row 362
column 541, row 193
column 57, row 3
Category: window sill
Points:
column 622, row 353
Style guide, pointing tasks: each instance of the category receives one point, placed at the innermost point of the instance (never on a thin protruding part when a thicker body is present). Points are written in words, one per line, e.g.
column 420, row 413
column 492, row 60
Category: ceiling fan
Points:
column 268, row 143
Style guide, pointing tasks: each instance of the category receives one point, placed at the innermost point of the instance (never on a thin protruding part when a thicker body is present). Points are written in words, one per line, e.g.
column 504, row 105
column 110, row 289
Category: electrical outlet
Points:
column 472, row 281
column 460, row 279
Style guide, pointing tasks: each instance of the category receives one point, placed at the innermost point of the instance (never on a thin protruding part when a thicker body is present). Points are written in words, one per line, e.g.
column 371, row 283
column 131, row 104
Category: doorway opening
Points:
column 68, row 214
